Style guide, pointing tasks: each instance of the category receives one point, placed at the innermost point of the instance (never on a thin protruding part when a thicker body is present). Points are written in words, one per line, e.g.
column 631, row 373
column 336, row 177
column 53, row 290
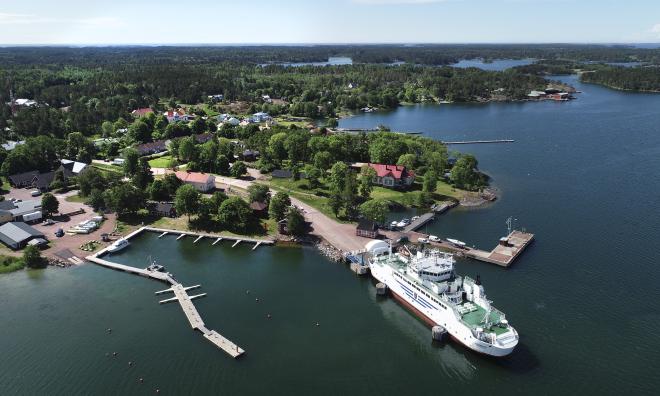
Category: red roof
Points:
column 193, row 177
column 142, row 111
column 396, row 171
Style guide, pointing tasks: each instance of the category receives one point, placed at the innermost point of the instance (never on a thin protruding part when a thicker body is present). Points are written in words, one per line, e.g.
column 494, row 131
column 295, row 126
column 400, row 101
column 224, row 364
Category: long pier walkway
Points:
column 181, row 294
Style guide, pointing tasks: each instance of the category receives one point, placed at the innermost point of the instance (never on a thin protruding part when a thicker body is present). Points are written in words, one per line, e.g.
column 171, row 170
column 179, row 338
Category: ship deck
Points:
column 476, row 317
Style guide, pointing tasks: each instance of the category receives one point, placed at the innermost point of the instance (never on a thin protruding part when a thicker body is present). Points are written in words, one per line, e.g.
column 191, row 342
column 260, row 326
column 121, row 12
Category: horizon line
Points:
column 300, row 44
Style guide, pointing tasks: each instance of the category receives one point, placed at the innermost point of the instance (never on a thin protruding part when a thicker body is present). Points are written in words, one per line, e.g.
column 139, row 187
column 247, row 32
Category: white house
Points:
column 203, row 182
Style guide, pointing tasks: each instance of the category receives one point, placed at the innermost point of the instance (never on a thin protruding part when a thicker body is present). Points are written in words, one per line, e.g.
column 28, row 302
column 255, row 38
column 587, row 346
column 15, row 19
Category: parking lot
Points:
column 70, row 242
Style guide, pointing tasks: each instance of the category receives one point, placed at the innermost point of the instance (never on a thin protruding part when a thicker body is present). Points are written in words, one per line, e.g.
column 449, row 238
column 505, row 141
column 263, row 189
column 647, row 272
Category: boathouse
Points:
column 367, row 228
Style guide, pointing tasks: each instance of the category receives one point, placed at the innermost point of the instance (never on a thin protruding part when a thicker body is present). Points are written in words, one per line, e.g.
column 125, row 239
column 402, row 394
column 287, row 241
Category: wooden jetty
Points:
column 482, row 141
column 421, row 221
column 201, row 235
column 180, row 295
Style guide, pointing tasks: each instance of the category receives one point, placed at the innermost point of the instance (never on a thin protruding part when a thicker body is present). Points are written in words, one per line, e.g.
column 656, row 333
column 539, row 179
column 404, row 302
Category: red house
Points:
column 137, row 113
column 395, row 176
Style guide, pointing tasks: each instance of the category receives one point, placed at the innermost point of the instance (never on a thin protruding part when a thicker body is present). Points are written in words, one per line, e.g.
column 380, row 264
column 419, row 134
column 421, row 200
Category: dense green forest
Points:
column 628, row 78
column 83, row 87
column 427, row 54
column 91, row 95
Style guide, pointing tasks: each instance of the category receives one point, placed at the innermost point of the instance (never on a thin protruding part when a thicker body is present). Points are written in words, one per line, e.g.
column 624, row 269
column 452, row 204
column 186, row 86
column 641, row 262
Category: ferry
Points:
column 118, row 245
column 427, row 284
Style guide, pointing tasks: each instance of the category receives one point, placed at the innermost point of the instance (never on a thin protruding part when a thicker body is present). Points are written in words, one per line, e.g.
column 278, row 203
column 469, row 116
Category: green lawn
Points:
column 108, row 168
column 75, row 198
column 299, row 189
column 10, row 264
column 161, row 162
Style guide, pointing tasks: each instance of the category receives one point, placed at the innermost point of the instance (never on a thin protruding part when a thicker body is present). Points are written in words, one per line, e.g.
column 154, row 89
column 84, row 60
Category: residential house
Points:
column 261, row 117
column 203, row 182
column 137, row 113
column 12, row 144
column 37, row 179
column 25, row 102
column 166, row 209
column 179, row 114
column 282, row 174
column 259, row 208
column 367, row 228
column 158, row 146
column 72, row 168
column 25, row 179
column 395, row 176
column 16, row 235
column 250, row 155
column 203, row 137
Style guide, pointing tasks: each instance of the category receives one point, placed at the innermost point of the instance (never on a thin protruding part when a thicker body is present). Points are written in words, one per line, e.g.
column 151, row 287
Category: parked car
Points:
column 59, row 233
column 422, row 240
column 434, row 238
column 35, row 193
column 49, row 222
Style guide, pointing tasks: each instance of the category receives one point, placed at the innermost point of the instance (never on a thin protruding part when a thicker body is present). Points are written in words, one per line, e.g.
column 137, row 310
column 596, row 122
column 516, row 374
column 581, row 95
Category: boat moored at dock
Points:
column 427, row 284
column 118, row 245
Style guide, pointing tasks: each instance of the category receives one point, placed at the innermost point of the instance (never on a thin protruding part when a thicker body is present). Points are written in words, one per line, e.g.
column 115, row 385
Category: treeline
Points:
column 81, row 99
column 627, row 78
column 427, row 54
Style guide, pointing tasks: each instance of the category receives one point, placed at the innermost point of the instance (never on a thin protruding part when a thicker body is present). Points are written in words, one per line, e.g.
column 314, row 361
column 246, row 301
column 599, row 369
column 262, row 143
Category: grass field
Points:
column 108, row 168
column 299, row 189
column 161, row 162
column 10, row 264
column 75, row 198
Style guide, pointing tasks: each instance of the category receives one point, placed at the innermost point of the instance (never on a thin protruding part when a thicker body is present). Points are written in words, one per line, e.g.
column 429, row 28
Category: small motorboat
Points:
column 456, row 242
column 118, row 245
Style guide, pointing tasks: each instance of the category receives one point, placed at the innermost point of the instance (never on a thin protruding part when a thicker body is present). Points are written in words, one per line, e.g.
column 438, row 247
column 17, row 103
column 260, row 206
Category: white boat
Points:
column 427, row 284
column 456, row 242
column 394, row 224
column 403, row 223
column 118, row 245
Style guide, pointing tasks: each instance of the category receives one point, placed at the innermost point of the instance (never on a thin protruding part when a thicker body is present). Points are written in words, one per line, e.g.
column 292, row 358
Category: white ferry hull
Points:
column 433, row 314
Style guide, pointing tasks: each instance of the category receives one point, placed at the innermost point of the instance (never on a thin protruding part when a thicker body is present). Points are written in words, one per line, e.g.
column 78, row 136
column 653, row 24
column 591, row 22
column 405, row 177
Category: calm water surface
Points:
column 581, row 175
column 495, row 65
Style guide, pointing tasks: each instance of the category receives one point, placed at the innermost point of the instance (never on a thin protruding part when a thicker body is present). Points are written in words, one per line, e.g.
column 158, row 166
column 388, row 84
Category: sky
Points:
column 88, row 22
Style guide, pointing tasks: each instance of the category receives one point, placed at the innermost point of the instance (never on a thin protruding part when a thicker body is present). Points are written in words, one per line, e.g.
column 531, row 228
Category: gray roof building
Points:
column 16, row 235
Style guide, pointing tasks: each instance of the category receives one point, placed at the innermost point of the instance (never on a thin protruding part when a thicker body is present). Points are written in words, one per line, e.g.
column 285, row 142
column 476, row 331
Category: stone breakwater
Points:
column 330, row 251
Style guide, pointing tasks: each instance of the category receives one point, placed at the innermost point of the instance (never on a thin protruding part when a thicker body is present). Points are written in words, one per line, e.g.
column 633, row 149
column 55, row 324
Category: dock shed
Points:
column 17, row 234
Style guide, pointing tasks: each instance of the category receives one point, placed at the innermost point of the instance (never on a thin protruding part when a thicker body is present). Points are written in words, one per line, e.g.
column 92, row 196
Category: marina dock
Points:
column 420, row 222
column 200, row 235
column 180, row 295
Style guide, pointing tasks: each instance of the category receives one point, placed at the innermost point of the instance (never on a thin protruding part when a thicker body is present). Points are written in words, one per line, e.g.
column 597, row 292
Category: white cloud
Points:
column 103, row 22
column 655, row 29
column 11, row 19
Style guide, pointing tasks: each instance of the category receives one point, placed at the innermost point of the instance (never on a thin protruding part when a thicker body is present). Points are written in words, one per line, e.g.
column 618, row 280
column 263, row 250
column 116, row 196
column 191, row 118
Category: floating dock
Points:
column 180, row 295
column 201, row 235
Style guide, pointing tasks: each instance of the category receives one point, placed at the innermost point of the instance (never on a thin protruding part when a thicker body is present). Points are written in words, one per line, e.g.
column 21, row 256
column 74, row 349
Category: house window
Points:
column 388, row 181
